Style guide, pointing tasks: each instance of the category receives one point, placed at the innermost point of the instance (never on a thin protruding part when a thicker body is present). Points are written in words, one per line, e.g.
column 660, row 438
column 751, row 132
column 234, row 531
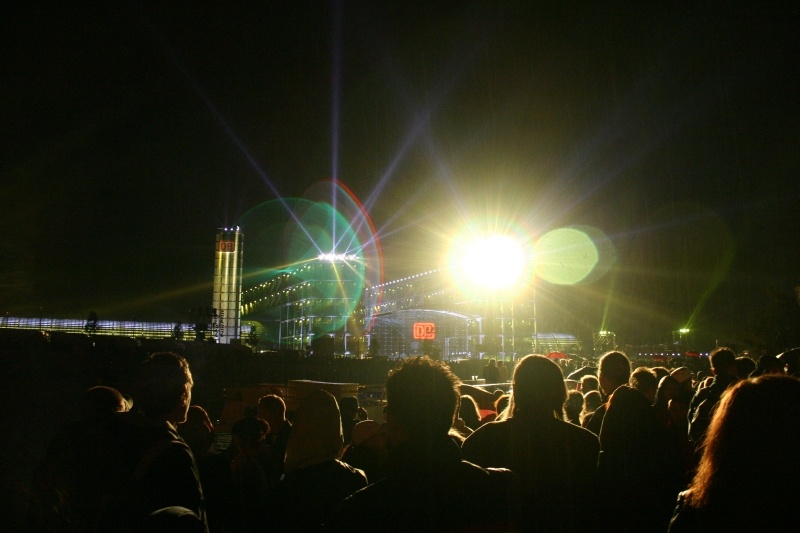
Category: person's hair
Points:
column 760, row 415
column 197, row 430
column 589, row 383
column 573, row 406
column 660, row 372
column 316, row 435
column 422, row 396
column 667, row 389
column 501, row 406
column 102, row 400
column 591, row 401
column 469, row 412
column 767, row 364
column 274, row 404
column 628, row 425
column 722, row 360
column 250, row 431
column 643, row 379
column 538, row 388
column 164, row 380
column 744, row 367
column 616, row 367
column 348, row 404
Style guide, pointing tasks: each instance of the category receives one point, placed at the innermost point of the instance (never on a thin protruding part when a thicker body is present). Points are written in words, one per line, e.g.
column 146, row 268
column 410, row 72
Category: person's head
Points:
column 421, row 400
column 660, row 372
column 501, row 404
column 591, row 401
column 492, row 362
column 197, row 430
column 791, row 361
column 668, row 389
column 369, row 434
column 683, row 376
column 573, row 406
column 644, row 380
column 469, row 412
column 101, row 400
column 613, row 371
column 723, row 362
column 744, row 367
column 163, row 390
column 348, row 405
column 171, row 520
column 767, row 364
column 755, row 416
column 249, row 433
column 316, row 435
column 539, row 388
column 589, row 383
column 678, row 407
column 272, row 408
column 628, row 424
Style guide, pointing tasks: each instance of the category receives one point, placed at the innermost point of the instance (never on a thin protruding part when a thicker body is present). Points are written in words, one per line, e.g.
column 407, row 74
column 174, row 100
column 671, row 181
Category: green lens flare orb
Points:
column 565, row 256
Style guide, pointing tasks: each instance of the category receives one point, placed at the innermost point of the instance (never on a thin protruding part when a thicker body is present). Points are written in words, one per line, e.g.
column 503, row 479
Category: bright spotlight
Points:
column 493, row 262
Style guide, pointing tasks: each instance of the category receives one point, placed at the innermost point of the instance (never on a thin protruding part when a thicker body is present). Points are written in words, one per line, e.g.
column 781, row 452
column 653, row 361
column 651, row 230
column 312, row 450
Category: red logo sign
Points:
column 424, row 331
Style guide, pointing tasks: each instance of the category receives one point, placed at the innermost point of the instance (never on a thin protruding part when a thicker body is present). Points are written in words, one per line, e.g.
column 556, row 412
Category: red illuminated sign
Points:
column 424, row 331
column 226, row 246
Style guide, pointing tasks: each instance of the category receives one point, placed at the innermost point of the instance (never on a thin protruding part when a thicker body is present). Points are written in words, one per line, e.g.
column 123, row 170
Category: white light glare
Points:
column 337, row 257
column 494, row 262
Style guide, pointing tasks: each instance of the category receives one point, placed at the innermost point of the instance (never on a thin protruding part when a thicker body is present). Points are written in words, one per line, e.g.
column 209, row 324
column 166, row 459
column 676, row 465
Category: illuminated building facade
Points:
column 228, row 255
column 320, row 306
column 315, row 306
column 426, row 313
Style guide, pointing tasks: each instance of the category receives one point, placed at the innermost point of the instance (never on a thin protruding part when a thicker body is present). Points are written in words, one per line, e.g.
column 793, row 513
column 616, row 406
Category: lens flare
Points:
column 312, row 261
column 565, row 256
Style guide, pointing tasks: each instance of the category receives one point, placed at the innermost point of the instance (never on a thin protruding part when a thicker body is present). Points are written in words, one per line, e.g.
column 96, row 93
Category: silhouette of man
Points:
column 613, row 371
column 428, row 487
column 723, row 366
column 124, row 466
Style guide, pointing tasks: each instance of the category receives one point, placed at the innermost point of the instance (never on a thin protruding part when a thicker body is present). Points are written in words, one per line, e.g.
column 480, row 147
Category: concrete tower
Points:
column 227, row 284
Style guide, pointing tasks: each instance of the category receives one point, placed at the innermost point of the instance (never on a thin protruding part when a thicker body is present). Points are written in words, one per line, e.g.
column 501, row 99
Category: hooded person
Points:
column 316, row 481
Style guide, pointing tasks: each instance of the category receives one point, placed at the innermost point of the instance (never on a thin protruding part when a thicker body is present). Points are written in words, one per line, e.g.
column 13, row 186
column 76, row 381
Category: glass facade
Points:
column 227, row 284
column 316, row 306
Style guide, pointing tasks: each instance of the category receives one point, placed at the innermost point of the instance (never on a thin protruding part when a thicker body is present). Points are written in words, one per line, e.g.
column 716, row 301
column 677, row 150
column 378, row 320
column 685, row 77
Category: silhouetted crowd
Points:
column 606, row 448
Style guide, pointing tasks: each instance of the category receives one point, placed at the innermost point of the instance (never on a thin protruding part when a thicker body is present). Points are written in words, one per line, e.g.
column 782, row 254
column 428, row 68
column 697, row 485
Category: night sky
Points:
column 132, row 130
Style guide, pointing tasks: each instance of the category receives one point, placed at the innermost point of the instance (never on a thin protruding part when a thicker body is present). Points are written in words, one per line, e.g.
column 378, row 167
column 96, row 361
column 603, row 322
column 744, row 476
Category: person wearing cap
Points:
column 683, row 375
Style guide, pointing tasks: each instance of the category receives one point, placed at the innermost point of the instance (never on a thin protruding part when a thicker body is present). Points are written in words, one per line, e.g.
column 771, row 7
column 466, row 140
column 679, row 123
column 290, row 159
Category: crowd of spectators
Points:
column 616, row 447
